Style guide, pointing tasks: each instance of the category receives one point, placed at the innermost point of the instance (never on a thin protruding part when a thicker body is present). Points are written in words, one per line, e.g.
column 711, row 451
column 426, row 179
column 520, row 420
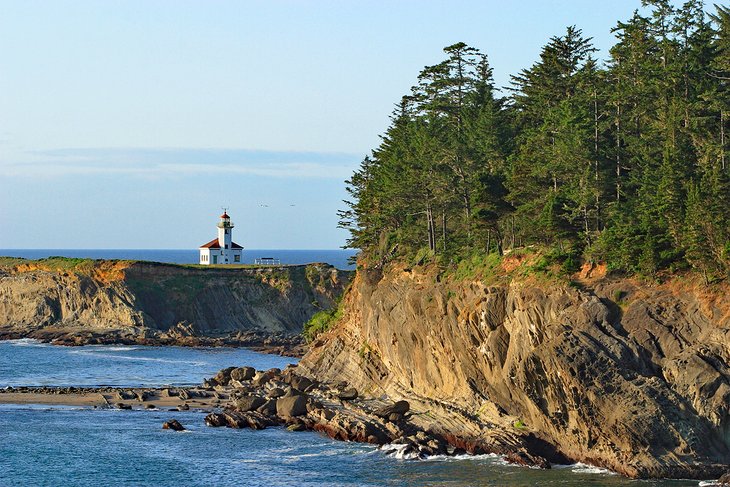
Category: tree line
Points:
column 623, row 161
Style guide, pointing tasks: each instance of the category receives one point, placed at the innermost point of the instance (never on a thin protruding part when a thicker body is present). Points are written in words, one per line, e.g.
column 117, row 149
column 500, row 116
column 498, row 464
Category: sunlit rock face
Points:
column 138, row 300
column 630, row 376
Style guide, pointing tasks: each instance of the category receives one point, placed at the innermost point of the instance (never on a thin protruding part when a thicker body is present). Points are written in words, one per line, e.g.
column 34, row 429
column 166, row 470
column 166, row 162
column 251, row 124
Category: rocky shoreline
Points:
column 259, row 399
column 284, row 344
column 243, row 397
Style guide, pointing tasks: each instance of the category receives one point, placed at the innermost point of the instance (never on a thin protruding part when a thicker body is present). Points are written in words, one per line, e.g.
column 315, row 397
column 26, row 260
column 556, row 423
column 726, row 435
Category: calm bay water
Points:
column 29, row 362
column 336, row 257
column 49, row 446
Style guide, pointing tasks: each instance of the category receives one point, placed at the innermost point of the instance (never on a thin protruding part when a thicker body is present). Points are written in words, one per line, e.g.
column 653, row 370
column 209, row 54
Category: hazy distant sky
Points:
column 128, row 124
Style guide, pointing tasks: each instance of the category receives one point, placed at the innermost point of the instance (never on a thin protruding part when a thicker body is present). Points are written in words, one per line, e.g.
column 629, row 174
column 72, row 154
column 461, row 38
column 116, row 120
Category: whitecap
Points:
column 492, row 458
column 708, row 483
column 399, row 451
column 27, row 342
column 118, row 349
column 584, row 468
column 139, row 359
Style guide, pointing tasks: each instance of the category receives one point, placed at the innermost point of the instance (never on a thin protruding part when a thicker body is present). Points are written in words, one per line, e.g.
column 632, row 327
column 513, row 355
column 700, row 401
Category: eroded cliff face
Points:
column 641, row 386
column 143, row 300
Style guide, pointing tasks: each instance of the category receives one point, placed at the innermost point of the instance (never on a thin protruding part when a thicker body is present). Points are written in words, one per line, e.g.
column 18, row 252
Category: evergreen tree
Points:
column 625, row 163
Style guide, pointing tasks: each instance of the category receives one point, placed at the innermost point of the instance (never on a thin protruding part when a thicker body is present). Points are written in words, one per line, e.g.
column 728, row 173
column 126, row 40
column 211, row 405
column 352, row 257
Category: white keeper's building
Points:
column 222, row 250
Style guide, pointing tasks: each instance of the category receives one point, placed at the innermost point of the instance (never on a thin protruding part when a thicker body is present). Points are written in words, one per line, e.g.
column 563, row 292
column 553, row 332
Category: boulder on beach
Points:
column 299, row 382
column 143, row 396
column 262, row 378
column 268, row 408
column 348, row 394
column 125, row 395
column 291, row 406
column 186, row 394
column 275, row 392
column 224, row 376
column 400, row 407
column 243, row 373
column 249, row 403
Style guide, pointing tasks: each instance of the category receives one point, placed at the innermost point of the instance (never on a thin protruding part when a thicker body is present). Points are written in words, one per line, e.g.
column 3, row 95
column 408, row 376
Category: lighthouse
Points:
column 222, row 250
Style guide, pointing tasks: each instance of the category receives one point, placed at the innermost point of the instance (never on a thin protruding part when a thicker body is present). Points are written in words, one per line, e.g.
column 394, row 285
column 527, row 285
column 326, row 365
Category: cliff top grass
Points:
column 86, row 265
column 54, row 263
column 537, row 263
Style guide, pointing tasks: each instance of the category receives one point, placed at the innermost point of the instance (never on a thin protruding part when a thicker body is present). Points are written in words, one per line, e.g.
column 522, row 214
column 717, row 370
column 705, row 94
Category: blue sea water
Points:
column 52, row 446
column 28, row 362
column 337, row 257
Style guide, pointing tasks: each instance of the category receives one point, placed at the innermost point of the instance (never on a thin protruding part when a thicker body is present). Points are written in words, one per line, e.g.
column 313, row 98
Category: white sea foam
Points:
column 43, row 407
column 708, row 483
column 580, row 467
column 398, row 450
column 118, row 349
column 139, row 359
column 492, row 458
column 27, row 342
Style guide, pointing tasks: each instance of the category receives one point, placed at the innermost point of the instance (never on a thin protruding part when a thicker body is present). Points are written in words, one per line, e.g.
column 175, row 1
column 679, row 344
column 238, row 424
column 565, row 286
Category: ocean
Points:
column 76, row 446
column 339, row 258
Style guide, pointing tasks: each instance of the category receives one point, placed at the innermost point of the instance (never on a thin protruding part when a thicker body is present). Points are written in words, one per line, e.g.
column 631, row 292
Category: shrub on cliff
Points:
column 321, row 322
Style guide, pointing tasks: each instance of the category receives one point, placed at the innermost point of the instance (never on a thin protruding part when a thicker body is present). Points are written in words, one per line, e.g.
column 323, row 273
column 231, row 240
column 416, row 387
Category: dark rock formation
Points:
column 224, row 376
column 216, row 420
column 243, row 373
column 275, row 392
column 291, row 406
column 724, row 480
column 174, row 425
column 249, row 403
column 399, row 409
column 348, row 394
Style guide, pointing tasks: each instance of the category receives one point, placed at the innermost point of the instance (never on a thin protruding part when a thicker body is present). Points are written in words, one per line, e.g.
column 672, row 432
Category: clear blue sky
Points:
column 128, row 124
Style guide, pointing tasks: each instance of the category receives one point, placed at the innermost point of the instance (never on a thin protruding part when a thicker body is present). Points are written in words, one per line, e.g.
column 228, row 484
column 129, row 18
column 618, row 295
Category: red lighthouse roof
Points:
column 214, row 244
column 225, row 215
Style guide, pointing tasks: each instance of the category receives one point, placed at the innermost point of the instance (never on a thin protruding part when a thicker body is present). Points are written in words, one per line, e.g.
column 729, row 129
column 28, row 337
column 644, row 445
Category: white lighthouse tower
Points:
column 222, row 250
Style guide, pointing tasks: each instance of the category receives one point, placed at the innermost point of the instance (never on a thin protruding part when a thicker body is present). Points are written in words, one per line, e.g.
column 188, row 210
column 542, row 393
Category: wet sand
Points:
column 107, row 397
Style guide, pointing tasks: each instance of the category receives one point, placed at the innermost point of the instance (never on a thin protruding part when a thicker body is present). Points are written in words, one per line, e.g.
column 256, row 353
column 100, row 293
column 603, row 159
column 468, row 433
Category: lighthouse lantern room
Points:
column 222, row 250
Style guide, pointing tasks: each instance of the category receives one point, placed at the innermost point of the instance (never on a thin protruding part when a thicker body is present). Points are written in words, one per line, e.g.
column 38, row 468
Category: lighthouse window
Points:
column 237, row 258
column 226, row 245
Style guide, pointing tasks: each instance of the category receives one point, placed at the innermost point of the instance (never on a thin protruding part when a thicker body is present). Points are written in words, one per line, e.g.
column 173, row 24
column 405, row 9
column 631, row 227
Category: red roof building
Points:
column 222, row 250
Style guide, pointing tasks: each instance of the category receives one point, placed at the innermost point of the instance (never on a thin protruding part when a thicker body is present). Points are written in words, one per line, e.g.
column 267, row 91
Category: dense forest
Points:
column 623, row 161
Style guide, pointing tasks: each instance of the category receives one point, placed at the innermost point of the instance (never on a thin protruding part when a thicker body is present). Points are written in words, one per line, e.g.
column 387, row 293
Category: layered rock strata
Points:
column 144, row 302
column 632, row 377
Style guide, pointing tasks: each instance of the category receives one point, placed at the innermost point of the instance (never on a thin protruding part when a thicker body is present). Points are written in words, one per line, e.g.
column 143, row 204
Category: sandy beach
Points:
column 136, row 398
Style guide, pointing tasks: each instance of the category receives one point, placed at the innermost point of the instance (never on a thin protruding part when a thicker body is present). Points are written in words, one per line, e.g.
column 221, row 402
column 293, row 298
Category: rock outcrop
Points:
column 74, row 303
column 633, row 377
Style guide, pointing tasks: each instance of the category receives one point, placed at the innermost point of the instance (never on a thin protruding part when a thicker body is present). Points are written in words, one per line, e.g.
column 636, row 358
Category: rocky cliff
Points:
column 631, row 376
column 84, row 301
